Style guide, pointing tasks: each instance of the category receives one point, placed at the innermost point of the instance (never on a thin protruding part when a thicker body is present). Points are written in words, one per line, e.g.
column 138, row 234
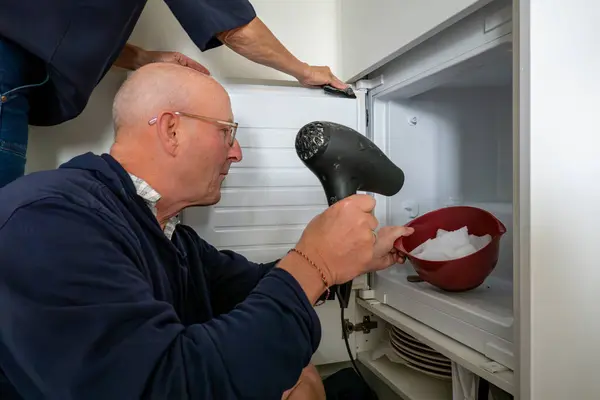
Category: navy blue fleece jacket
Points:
column 97, row 303
column 76, row 42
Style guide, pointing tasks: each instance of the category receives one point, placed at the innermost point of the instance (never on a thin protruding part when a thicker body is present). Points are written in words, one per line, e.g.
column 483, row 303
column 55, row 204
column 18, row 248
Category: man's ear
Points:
column 167, row 125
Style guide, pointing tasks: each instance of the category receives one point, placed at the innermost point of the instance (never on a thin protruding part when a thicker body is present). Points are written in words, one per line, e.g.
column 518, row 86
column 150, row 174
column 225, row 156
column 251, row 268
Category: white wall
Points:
column 375, row 31
column 91, row 131
column 308, row 28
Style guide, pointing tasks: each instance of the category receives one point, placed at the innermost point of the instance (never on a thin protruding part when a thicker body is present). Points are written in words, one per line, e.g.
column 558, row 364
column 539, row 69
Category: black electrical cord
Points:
column 345, row 335
column 350, row 351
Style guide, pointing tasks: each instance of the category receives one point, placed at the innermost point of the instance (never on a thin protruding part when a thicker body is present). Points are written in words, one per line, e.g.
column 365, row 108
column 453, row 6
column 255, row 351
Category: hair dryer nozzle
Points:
column 346, row 161
column 310, row 140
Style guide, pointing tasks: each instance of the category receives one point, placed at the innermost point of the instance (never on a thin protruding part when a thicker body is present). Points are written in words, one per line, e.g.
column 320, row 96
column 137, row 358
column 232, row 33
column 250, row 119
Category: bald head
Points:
column 160, row 87
column 184, row 156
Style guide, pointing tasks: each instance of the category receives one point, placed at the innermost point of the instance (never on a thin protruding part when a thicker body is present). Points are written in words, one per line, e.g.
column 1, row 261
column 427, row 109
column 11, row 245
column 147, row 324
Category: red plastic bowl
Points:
column 460, row 274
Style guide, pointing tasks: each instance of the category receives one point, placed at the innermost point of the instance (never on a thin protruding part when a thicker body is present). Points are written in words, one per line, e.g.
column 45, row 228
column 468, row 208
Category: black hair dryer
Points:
column 346, row 162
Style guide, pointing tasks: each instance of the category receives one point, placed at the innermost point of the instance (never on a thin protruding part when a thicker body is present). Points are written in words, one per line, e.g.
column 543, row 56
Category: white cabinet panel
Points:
column 276, row 197
column 255, row 137
column 269, row 158
column 250, row 177
column 375, row 31
column 559, row 198
column 273, row 111
column 224, row 218
column 250, row 236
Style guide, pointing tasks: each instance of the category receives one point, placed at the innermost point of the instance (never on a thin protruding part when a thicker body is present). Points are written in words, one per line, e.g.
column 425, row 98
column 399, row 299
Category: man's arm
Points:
column 256, row 42
column 231, row 276
column 210, row 23
column 132, row 57
column 80, row 320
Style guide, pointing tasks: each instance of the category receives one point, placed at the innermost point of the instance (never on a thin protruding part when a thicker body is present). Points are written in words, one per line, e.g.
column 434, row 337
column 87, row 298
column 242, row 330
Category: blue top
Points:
column 97, row 303
column 78, row 41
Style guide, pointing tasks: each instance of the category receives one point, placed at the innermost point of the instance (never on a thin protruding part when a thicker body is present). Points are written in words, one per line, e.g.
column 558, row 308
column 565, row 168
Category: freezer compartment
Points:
column 451, row 133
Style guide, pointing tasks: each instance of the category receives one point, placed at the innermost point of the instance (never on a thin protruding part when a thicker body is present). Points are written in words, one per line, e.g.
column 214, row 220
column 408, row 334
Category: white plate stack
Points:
column 419, row 356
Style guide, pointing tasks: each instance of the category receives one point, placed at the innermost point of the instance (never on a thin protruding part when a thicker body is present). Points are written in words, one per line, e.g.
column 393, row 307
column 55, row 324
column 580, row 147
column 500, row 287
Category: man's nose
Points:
column 235, row 152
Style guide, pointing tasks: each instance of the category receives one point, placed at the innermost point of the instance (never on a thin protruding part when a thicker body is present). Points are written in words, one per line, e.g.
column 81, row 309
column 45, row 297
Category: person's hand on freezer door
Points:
column 317, row 76
column 384, row 253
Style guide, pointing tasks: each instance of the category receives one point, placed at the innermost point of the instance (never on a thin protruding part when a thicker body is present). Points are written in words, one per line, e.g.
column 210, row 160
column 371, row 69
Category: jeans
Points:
column 16, row 71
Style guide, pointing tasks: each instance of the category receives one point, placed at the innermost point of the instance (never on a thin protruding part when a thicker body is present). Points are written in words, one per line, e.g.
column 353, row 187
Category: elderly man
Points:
column 105, row 296
column 54, row 53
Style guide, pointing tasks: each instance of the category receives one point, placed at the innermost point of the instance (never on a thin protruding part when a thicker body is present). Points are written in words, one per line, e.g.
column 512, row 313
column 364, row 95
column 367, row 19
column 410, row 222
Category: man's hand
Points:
column 134, row 57
column 256, row 42
column 309, row 386
column 175, row 58
column 384, row 253
column 335, row 247
column 340, row 240
column 319, row 76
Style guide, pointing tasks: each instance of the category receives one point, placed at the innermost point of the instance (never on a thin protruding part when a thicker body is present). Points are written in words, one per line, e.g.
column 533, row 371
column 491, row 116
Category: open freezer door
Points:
column 270, row 196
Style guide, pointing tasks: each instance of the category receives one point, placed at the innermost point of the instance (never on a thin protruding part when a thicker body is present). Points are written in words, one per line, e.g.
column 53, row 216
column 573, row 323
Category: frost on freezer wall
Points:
column 307, row 28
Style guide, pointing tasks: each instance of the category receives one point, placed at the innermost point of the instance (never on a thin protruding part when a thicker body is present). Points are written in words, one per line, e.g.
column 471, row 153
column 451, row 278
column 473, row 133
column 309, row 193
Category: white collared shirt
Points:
column 151, row 197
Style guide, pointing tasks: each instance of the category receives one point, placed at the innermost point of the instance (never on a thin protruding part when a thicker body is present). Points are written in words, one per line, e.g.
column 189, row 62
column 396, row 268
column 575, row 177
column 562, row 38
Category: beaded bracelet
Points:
column 323, row 278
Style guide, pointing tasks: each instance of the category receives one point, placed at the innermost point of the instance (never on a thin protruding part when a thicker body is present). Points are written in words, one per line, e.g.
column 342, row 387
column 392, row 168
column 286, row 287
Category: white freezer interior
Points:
column 451, row 133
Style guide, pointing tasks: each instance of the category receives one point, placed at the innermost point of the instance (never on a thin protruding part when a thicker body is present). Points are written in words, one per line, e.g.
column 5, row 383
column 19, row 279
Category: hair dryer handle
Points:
column 344, row 291
column 338, row 187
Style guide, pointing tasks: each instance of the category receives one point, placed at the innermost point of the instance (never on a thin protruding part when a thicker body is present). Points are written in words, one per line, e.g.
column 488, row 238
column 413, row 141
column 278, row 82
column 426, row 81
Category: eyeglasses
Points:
column 230, row 135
